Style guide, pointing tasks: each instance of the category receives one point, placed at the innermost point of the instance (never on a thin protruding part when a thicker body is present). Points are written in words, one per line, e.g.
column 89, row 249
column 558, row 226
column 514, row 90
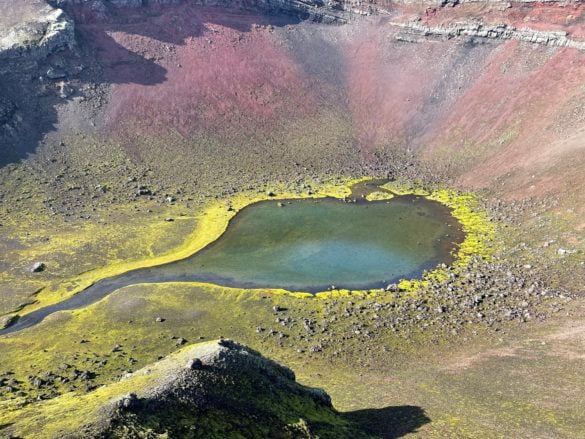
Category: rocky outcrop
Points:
column 207, row 390
column 316, row 10
column 46, row 31
column 249, row 392
column 329, row 11
column 414, row 31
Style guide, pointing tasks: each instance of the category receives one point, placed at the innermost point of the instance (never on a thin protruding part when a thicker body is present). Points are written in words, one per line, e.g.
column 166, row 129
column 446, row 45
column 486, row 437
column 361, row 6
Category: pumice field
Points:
column 292, row 219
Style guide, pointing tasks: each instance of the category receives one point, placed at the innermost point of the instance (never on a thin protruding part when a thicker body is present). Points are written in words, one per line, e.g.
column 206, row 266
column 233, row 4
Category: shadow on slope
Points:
column 389, row 422
column 245, row 420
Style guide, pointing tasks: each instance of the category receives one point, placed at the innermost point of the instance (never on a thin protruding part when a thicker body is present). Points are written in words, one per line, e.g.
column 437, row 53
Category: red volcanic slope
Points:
column 501, row 109
column 204, row 70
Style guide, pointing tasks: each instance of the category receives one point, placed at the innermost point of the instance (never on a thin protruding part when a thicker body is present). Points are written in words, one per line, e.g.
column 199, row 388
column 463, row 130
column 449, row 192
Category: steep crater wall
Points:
column 317, row 10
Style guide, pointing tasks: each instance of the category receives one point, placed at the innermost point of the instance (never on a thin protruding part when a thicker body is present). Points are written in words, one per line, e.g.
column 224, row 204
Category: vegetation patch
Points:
column 213, row 220
column 379, row 196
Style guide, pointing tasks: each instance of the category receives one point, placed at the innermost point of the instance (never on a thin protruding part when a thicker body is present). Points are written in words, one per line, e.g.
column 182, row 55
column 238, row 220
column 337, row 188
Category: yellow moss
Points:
column 213, row 220
column 338, row 293
column 479, row 231
column 379, row 195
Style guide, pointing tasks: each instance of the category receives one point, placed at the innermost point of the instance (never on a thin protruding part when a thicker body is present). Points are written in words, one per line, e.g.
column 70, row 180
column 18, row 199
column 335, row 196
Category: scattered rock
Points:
column 143, row 190
column 6, row 321
column 54, row 73
column 38, row 267
column 37, row 382
column 85, row 375
column 65, row 90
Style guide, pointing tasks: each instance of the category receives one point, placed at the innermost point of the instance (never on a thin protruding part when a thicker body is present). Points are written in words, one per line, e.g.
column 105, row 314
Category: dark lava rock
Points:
column 143, row 190
column 393, row 288
column 129, row 402
column 38, row 267
column 37, row 382
column 6, row 321
column 86, row 375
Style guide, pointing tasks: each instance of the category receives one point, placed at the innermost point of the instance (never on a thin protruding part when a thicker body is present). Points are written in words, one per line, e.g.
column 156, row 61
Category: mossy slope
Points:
column 212, row 390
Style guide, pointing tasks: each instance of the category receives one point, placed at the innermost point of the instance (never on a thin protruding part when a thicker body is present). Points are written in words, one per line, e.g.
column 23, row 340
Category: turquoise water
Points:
column 310, row 245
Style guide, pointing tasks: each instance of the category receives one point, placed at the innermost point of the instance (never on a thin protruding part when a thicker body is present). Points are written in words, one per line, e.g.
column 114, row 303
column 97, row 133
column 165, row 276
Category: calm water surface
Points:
column 309, row 245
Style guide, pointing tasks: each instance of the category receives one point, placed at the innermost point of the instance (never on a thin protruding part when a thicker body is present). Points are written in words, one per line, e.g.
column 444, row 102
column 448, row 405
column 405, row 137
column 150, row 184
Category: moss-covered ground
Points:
column 487, row 385
column 213, row 219
column 466, row 385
